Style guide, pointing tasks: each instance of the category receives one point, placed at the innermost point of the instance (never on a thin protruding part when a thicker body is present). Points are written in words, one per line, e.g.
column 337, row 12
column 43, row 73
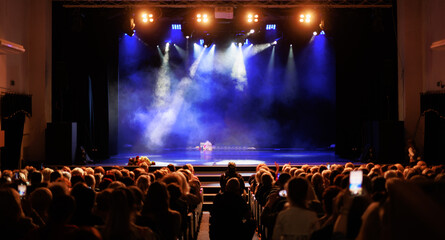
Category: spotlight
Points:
column 202, row 18
column 252, row 31
column 322, row 32
column 305, row 18
column 315, row 33
column 147, row 17
column 252, row 18
column 274, row 43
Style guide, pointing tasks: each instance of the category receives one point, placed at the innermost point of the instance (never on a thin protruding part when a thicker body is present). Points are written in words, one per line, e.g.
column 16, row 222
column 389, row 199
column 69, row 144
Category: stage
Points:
column 241, row 156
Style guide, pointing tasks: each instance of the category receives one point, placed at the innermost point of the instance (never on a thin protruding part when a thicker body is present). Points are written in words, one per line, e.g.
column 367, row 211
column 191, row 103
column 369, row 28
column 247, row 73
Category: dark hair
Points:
column 84, row 196
column 283, row 178
column 328, row 197
column 171, row 167
column 297, row 188
column 61, row 209
column 54, row 176
column 157, row 200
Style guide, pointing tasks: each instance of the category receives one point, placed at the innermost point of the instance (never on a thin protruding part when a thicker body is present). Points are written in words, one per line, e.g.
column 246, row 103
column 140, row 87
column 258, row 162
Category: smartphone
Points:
column 329, row 166
column 282, row 193
column 355, row 183
column 22, row 189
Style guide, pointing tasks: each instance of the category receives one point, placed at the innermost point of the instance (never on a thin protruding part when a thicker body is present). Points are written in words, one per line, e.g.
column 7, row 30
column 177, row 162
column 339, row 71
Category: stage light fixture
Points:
column 315, row 33
column 252, row 31
column 202, row 18
column 176, row 27
column 322, row 32
column 129, row 26
column 252, row 18
column 271, row 27
column 147, row 17
column 305, row 18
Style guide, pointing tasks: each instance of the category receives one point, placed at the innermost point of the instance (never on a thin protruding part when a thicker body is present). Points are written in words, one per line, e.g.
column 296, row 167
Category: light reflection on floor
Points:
column 222, row 157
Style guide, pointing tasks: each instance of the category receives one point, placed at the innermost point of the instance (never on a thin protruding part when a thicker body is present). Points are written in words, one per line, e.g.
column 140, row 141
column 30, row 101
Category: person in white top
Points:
column 296, row 222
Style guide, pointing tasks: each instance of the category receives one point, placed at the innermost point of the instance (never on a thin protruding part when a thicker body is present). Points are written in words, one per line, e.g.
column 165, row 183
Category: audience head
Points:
column 61, row 209
column 233, row 186
column 143, row 182
column 10, row 206
column 157, row 199
column 41, row 199
column 297, row 191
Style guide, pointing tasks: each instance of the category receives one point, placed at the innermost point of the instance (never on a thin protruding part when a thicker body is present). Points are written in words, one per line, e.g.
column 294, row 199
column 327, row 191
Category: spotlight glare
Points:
column 322, row 32
column 187, row 37
column 206, row 20
column 308, row 16
column 144, row 15
column 151, row 20
column 308, row 20
column 256, row 15
column 252, row 31
column 302, row 16
column 315, row 33
column 249, row 20
column 205, row 15
column 199, row 20
column 151, row 15
column 144, row 20
column 198, row 15
column 250, row 16
column 301, row 20
column 256, row 20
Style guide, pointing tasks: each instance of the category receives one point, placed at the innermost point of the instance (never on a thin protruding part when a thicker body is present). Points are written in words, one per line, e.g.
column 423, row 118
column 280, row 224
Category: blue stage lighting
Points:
column 176, row 27
column 271, row 27
column 201, row 42
column 322, row 32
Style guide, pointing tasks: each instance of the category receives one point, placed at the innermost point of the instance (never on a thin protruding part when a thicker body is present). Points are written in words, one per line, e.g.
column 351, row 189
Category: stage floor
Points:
column 241, row 157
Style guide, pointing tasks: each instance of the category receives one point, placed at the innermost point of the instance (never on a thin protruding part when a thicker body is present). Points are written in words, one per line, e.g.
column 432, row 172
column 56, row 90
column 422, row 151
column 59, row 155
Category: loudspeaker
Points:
column 61, row 143
column 386, row 138
column 433, row 105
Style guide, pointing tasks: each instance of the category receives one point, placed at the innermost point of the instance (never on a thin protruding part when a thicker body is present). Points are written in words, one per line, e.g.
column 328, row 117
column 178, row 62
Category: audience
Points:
column 118, row 203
